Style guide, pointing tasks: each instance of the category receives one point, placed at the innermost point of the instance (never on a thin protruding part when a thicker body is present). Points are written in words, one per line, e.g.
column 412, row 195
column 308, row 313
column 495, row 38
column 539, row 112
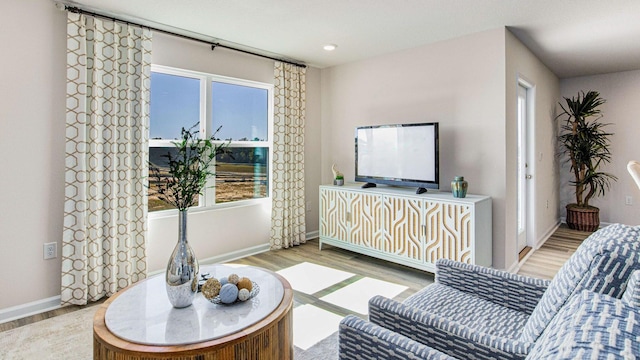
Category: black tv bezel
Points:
column 397, row 181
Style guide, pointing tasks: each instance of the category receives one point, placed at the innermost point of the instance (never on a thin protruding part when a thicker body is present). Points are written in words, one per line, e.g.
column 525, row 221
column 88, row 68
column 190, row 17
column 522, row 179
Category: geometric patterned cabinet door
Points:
column 365, row 214
column 398, row 225
column 448, row 232
column 352, row 218
column 402, row 227
column 334, row 213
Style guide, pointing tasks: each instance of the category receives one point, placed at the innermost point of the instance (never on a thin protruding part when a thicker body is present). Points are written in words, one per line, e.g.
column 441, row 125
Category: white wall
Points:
column 32, row 115
column 621, row 91
column 459, row 83
column 521, row 63
column 313, row 151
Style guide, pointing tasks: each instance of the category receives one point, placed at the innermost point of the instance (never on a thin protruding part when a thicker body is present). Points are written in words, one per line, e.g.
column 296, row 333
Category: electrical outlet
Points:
column 50, row 250
column 308, row 206
column 628, row 200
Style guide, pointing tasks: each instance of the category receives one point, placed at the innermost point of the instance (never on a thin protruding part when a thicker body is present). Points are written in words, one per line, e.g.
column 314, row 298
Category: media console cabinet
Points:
column 397, row 225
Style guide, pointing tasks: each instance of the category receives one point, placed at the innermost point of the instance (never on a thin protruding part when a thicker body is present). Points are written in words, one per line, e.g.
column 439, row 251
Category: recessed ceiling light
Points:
column 330, row 47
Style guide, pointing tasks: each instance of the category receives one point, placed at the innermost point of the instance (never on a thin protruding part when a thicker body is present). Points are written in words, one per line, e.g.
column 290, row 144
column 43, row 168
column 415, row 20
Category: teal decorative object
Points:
column 459, row 187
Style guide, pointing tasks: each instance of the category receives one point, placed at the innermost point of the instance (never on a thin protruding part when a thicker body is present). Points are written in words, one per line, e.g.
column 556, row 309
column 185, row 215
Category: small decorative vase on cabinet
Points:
column 459, row 187
column 182, row 269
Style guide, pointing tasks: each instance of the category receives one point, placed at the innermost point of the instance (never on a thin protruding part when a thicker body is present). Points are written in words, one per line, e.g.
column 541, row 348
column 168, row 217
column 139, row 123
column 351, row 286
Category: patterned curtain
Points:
column 288, row 211
column 107, row 122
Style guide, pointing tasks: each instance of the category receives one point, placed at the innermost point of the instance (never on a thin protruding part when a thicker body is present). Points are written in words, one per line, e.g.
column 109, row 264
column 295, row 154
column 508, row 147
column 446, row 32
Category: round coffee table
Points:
column 140, row 323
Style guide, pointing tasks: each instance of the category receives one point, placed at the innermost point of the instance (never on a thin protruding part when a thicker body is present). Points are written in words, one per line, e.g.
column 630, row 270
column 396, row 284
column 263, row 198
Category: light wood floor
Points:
column 543, row 263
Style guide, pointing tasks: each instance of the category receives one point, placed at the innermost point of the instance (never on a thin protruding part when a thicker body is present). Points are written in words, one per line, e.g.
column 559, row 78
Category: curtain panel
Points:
column 107, row 122
column 288, row 209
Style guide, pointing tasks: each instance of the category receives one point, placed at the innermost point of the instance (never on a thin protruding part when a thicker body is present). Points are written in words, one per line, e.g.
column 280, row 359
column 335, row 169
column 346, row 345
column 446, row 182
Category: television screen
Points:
column 404, row 155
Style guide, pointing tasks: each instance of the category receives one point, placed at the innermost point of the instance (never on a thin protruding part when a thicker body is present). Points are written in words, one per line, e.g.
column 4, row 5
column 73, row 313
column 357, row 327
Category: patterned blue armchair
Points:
column 590, row 326
column 472, row 312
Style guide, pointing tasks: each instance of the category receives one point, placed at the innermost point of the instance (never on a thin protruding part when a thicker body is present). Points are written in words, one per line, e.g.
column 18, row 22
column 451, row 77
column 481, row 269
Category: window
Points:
column 240, row 109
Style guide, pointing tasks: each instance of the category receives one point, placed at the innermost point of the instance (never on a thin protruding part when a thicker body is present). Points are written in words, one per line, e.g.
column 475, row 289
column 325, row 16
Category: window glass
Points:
column 158, row 159
column 175, row 103
column 241, row 108
column 245, row 176
column 242, row 111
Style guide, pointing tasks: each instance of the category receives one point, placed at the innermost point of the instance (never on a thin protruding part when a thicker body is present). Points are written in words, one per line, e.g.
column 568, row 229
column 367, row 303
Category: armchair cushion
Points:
column 362, row 340
column 602, row 264
column 464, row 309
column 442, row 334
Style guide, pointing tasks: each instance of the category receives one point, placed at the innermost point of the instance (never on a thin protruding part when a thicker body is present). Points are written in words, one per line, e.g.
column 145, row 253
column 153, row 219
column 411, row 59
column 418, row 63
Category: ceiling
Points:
column 572, row 37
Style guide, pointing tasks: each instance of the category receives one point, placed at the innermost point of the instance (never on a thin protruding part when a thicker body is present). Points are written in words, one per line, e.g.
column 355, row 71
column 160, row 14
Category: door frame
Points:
column 530, row 161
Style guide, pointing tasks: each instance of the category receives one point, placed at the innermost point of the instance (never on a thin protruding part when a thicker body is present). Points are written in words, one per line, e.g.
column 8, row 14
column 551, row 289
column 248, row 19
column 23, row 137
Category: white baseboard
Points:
column 28, row 309
column 513, row 268
column 563, row 220
column 313, row 235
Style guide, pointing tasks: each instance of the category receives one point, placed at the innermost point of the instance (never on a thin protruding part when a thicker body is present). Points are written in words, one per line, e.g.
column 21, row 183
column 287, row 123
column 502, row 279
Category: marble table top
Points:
column 143, row 314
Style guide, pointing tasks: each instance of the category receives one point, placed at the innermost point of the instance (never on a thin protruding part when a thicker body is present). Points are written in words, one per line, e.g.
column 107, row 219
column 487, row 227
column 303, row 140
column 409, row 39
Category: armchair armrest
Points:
column 517, row 292
column 442, row 334
column 363, row 340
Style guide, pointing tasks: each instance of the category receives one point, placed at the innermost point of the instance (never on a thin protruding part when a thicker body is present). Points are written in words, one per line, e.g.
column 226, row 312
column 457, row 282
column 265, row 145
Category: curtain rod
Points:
column 77, row 10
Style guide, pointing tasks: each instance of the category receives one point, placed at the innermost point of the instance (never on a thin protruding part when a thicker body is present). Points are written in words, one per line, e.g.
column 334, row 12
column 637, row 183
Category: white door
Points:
column 523, row 174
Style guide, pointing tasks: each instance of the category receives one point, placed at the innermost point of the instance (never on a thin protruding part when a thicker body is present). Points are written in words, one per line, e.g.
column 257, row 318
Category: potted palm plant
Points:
column 180, row 183
column 585, row 143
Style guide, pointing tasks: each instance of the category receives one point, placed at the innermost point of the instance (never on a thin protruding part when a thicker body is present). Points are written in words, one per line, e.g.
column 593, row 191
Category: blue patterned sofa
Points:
column 472, row 312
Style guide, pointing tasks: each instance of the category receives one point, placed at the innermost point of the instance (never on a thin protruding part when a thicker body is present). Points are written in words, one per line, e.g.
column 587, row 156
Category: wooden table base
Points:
column 270, row 338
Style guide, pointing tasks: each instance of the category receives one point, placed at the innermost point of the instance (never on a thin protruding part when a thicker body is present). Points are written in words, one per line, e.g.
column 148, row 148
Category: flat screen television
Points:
column 400, row 155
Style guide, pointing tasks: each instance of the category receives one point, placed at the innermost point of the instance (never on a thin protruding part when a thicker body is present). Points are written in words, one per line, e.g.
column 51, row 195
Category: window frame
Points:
column 207, row 201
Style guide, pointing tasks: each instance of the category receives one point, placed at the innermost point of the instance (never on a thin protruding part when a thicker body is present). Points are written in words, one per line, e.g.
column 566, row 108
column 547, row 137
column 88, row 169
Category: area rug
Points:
column 70, row 337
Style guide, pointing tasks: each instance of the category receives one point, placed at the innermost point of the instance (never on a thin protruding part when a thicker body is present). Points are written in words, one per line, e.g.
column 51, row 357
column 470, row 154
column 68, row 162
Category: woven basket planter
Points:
column 583, row 219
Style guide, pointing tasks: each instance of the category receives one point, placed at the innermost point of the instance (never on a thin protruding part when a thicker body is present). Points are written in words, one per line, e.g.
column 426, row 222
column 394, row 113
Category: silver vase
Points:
column 182, row 269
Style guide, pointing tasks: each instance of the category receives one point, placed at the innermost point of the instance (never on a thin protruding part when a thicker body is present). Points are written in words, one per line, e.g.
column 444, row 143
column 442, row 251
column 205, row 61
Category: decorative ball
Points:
column 224, row 280
column 245, row 283
column 211, row 288
column 233, row 279
column 244, row 294
column 228, row 293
